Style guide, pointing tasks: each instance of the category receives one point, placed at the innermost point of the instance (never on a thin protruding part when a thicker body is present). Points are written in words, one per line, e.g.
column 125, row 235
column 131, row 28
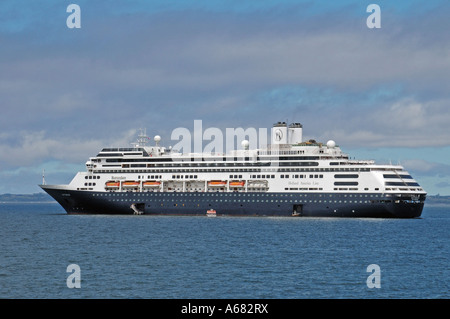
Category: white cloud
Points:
column 420, row 165
column 405, row 122
column 37, row 147
column 428, row 168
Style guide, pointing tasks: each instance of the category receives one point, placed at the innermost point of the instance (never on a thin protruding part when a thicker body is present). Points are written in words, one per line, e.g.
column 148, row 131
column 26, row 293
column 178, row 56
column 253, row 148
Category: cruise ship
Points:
column 288, row 177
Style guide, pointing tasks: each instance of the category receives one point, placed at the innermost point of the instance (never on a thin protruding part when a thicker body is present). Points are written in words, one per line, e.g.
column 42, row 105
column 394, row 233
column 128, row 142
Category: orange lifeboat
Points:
column 237, row 183
column 151, row 184
column 112, row 184
column 130, row 184
column 217, row 183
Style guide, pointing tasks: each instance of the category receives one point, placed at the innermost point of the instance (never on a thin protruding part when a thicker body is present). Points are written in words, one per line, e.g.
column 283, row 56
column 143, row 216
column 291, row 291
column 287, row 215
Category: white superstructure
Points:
column 303, row 166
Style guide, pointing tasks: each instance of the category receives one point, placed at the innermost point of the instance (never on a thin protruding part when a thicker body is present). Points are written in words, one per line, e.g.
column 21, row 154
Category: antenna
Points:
column 43, row 176
column 142, row 138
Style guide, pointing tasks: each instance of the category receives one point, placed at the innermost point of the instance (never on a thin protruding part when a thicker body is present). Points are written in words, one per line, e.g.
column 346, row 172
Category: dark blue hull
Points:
column 238, row 204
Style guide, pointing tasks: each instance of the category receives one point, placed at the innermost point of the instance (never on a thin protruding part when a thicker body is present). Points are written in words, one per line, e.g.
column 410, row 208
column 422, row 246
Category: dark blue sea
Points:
column 160, row 257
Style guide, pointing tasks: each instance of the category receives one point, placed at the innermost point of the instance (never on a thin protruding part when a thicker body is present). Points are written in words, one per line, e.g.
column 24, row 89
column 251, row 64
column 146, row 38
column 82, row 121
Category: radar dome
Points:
column 331, row 144
column 157, row 138
column 245, row 144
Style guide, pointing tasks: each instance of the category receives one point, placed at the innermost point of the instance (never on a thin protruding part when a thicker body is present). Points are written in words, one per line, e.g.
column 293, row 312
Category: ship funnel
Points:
column 279, row 133
column 295, row 133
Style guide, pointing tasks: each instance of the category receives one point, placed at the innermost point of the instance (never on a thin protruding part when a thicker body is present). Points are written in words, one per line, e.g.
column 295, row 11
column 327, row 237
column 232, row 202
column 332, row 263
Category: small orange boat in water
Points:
column 211, row 213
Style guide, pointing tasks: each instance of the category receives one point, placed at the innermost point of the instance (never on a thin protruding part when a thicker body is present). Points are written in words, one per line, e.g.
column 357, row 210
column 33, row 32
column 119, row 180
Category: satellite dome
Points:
column 245, row 144
column 157, row 138
column 331, row 144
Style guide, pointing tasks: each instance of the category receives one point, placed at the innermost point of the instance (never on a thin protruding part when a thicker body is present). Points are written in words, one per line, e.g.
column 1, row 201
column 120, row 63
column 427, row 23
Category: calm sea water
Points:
column 220, row 258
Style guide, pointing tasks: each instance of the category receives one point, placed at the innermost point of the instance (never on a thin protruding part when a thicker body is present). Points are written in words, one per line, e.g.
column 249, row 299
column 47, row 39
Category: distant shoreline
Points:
column 432, row 200
column 26, row 198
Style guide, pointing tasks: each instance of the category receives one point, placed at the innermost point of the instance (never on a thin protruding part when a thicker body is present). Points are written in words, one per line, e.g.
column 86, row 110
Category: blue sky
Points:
column 382, row 94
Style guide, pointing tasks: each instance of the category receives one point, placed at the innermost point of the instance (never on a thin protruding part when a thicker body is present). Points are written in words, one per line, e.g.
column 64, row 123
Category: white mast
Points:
column 142, row 139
